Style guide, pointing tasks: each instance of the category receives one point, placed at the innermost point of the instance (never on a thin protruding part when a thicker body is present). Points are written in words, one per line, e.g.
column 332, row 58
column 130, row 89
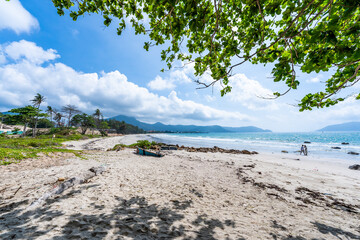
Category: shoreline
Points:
column 334, row 155
column 305, row 161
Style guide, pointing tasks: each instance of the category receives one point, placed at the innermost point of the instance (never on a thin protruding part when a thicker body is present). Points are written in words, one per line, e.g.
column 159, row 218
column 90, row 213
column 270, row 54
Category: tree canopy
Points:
column 219, row 35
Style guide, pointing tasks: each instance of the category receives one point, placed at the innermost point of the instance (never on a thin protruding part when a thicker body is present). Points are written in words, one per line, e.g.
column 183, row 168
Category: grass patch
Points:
column 13, row 150
column 145, row 144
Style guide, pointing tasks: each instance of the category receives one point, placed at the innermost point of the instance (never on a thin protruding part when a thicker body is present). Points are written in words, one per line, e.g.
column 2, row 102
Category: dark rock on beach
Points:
column 353, row 153
column 307, row 142
column 216, row 149
column 283, row 151
column 345, row 143
column 336, row 147
column 354, row 167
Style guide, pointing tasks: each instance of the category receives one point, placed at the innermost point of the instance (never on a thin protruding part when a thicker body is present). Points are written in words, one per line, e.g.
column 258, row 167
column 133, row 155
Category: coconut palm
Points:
column 98, row 116
column 38, row 99
column 58, row 117
column 50, row 111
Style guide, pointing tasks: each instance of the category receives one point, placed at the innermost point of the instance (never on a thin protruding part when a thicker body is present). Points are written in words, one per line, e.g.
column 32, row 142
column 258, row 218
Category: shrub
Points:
column 143, row 144
column 117, row 147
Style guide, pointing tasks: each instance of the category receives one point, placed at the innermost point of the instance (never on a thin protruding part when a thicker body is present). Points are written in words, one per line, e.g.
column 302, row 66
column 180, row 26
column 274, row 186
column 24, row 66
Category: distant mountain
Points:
column 350, row 126
column 160, row 127
column 8, row 113
column 246, row 129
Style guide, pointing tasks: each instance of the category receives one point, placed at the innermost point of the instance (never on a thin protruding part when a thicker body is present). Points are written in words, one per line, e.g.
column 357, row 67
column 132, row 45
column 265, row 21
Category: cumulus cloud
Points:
column 2, row 56
column 250, row 93
column 111, row 91
column 161, row 84
column 313, row 80
column 29, row 51
column 177, row 76
column 15, row 17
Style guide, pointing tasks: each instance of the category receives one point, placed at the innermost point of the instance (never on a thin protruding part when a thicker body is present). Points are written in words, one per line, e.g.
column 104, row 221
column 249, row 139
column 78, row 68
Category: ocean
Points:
column 269, row 142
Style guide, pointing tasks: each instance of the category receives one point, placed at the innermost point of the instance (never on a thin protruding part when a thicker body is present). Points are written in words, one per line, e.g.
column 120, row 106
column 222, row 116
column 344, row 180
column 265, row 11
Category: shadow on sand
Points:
column 132, row 218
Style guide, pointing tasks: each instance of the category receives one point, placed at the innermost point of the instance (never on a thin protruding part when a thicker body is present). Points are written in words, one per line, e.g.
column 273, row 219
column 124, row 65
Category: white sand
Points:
column 182, row 196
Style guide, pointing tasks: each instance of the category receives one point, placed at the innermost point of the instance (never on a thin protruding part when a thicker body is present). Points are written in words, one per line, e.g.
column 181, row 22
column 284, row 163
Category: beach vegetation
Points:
column 58, row 118
column 70, row 111
column 50, row 111
column 67, row 122
column 12, row 150
column 143, row 144
column 43, row 123
column 140, row 143
column 118, row 147
column 37, row 101
column 291, row 36
column 83, row 121
column 26, row 115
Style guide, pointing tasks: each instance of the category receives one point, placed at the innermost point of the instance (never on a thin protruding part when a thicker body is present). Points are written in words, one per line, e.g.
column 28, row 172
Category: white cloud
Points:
column 161, row 84
column 313, row 80
column 2, row 56
column 210, row 98
column 177, row 76
column 111, row 92
column 28, row 51
column 250, row 93
column 15, row 17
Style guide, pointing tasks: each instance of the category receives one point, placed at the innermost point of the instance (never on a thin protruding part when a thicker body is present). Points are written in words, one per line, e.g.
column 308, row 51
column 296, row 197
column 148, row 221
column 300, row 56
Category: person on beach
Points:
column 305, row 150
column 302, row 150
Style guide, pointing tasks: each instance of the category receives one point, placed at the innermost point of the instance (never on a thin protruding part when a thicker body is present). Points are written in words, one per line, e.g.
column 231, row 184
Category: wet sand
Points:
column 181, row 196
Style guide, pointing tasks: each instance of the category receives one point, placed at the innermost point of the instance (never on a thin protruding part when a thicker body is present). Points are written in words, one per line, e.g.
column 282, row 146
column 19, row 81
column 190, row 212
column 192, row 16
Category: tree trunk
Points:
column 83, row 130
column 35, row 126
column 69, row 120
column 24, row 130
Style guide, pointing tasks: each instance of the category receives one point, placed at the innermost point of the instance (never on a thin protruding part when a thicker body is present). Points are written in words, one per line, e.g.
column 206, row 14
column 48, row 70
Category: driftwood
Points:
column 16, row 192
column 92, row 172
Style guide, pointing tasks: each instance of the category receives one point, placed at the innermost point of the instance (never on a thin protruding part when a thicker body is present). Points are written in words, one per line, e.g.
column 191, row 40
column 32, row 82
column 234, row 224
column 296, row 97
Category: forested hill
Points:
column 123, row 127
column 350, row 126
column 160, row 127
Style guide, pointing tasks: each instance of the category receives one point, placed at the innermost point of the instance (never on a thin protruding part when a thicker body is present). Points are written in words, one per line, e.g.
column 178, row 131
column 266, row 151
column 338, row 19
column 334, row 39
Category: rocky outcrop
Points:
column 335, row 147
column 216, row 149
column 354, row 167
column 353, row 153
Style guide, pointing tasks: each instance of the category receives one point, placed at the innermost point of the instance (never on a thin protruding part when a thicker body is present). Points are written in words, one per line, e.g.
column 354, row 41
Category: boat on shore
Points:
column 144, row 152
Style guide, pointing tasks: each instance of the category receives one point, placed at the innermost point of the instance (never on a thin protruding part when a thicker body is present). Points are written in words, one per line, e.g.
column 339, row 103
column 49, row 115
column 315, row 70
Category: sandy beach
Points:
column 183, row 195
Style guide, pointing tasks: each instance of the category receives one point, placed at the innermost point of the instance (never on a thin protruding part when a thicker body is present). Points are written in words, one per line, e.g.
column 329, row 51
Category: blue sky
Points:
column 88, row 65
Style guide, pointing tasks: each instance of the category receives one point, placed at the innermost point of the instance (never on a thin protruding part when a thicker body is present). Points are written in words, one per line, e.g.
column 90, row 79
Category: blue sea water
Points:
column 320, row 146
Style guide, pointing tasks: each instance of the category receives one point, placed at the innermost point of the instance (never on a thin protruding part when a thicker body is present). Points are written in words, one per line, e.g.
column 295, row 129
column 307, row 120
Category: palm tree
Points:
column 98, row 115
column 38, row 99
column 58, row 117
column 50, row 111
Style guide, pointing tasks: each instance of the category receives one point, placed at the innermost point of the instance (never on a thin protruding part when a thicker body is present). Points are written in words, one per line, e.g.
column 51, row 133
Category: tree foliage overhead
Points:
column 219, row 35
